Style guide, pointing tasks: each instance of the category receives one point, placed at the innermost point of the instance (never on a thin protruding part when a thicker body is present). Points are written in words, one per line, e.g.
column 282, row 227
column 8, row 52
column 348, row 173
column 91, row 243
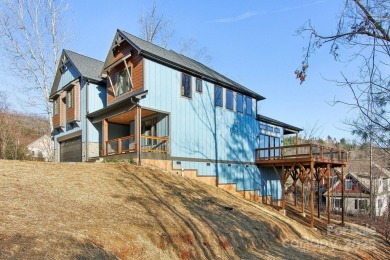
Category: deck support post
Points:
column 312, row 194
column 303, row 197
column 342, row 196
column 105, row 135
column 328, row 184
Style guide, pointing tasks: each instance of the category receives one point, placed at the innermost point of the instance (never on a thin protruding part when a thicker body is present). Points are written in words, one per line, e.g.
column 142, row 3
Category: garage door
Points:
column 70, row 150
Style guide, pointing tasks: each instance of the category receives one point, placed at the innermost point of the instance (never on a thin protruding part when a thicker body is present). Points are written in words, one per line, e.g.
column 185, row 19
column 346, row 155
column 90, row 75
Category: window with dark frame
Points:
column 218, row 98
column 229, row 99
column 248, row 103
column 239, row 103
column 186, row 85
column 199, row 85
column 69, row 98
column 123, row 82
column 337, row 202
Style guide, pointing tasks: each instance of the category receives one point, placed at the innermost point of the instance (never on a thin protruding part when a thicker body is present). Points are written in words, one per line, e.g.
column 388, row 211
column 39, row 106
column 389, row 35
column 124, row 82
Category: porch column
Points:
column 138, row 134
column 328, row 169
column 105, row 135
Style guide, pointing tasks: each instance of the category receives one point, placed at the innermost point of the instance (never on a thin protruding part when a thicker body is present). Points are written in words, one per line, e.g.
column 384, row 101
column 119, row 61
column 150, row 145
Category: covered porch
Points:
column 139, row 129
column 130, row 128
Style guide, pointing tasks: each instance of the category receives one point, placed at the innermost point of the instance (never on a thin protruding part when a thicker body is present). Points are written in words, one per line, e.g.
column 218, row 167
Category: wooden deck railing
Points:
column 313, row 152
column 127, row 144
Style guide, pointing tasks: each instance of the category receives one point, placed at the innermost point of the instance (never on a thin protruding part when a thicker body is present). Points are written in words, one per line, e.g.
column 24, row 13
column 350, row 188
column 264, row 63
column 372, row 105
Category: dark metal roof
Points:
column 182, row 62
column 278, row 123
column 86, row 66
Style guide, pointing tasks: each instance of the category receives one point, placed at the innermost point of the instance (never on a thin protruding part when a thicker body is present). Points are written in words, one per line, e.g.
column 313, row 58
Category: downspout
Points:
column 86, row 122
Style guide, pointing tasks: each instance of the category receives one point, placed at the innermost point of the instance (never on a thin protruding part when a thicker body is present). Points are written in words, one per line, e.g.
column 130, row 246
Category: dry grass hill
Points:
column 120, row 211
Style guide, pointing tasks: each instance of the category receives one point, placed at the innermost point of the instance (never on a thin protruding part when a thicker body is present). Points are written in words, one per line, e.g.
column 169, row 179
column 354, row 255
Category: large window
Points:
column 199, row 86
column 69, row 98
column 186, row 85
column 239, row 103
column 123, row 82
column 218, row 96
column 248, row 103
column 271, row 143
column 229, row 99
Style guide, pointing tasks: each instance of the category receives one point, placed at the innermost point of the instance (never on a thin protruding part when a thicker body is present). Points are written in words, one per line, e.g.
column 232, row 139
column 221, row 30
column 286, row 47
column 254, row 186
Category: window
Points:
column 69, row 99
column 337, row 203
column 123, row 82
column 199, row 86
column 56, row 107
column 270, row 128
column 229, row 99
column 186, row 85
column 360, row 204
column 248, row 103
column 348, row 184
column 218, row 96
column 239, row 103
column 277, row 130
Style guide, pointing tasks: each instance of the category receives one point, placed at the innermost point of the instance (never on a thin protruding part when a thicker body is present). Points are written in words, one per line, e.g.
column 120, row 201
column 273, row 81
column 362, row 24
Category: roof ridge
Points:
column 123, row 31
column 66, row 50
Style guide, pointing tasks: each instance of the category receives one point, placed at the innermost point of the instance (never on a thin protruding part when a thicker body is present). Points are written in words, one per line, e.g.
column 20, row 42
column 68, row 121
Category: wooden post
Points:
column 328, row 169
column 119, row 145
column 319, row 178
column 105, row 135
column 295, row 193
column 342, row 196
column 283, row 183
column 138, row 134
column 312, row 194
column 303, row 197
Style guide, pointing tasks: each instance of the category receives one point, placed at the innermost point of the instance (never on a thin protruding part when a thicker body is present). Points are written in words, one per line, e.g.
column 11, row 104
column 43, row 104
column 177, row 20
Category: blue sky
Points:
column 252, row 42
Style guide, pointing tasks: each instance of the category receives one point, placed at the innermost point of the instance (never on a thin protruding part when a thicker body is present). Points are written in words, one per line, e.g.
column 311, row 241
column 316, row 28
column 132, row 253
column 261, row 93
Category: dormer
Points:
column 123, row 69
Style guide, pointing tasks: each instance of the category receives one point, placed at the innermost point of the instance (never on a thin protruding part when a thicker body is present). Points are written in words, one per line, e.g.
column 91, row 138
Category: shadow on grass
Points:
column 235, row 232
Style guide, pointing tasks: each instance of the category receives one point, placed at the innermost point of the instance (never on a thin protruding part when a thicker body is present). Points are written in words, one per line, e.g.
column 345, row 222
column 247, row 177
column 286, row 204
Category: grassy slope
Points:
column 56, row 211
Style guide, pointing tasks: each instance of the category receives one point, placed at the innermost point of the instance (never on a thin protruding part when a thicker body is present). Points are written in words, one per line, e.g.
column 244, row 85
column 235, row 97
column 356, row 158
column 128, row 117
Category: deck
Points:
column 306, row 163
column 304, row 154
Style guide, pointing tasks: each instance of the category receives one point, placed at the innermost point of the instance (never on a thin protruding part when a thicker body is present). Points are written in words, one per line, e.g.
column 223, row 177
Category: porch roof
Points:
column 125, row 103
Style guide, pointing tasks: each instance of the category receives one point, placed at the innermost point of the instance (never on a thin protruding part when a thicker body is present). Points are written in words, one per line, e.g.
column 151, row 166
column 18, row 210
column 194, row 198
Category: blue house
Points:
column 160, row 108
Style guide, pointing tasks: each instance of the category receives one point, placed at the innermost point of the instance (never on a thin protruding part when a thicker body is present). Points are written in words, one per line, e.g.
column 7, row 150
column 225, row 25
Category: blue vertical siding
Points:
column 96, row 100
column 69, row 75
column 199, row 130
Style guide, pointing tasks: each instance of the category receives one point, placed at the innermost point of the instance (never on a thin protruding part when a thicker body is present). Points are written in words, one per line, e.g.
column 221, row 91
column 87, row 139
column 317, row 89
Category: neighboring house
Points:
column 161, row 108
column 41, row 148
column 357, row 189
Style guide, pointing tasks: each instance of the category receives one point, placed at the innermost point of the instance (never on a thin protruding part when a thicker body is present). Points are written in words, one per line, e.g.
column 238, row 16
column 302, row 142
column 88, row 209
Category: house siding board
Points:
column 194, row 133
column 136, row 64
column 69, row 75
column 116, row 131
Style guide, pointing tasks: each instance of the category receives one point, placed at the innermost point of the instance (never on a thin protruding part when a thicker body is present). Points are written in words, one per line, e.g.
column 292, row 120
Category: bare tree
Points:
column 156, row 28
column 363, row 27
column 190, row 48
column 31, row 37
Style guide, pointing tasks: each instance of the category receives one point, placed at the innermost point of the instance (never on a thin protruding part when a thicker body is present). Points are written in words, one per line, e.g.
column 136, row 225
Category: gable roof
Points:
column 87, row 67
column 181, row 62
